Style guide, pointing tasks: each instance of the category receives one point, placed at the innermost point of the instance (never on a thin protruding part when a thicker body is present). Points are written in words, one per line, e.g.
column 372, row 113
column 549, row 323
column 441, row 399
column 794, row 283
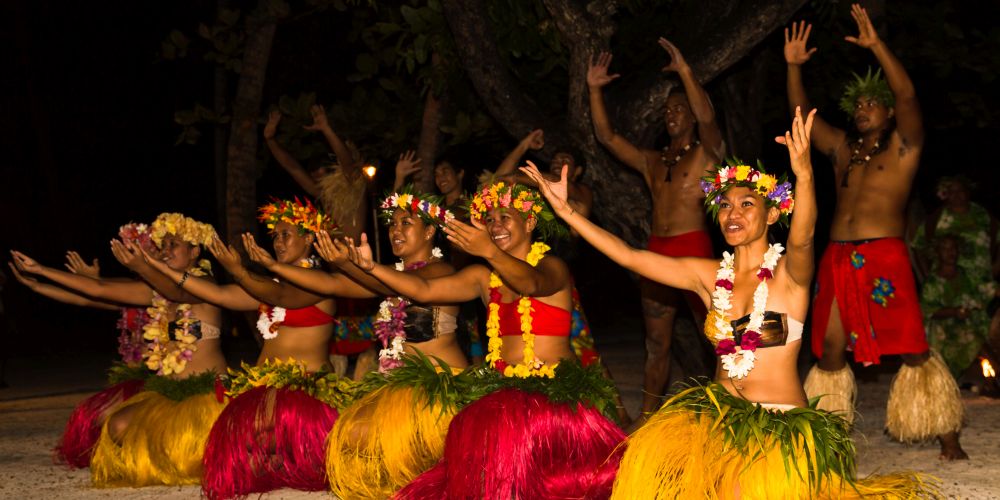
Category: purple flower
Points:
column 726, row 346
column 706, row 186
column 780, row 191
column 751, row 340
column 728, row 285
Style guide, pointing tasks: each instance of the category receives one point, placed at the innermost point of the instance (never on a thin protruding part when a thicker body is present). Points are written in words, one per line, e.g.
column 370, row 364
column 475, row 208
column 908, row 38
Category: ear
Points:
column 195, row 252
column 530, row 223
column 892, row 112
column 429, row 231
column 773, row 215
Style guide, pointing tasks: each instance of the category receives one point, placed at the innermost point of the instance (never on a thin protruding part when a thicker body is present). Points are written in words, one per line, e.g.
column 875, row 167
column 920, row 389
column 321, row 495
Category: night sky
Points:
column 87, row 137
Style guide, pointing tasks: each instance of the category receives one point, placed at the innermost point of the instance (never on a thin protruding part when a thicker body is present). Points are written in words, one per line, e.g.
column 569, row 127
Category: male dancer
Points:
column 867, row 300
column 672, row 175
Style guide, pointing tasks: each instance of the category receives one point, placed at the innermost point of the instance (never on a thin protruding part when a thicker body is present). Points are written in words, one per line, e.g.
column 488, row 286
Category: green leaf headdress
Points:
column 871, row 85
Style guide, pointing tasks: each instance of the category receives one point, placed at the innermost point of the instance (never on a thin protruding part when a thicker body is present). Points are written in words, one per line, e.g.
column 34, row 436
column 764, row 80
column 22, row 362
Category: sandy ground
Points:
column 34, row 410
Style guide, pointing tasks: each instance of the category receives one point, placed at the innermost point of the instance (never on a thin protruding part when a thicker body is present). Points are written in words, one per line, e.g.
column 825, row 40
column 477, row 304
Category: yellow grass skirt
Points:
column 162, row 445
column 384, row 440
column 706, row 443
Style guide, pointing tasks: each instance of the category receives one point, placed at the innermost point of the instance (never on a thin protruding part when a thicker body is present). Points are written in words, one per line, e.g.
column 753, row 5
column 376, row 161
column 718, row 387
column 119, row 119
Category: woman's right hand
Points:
column 797, row 141
column 128, row 254
column 226, row 255
column 361, row 255
column 31, row 283
column 258, row 254
column 26, row 264
column 76, row 265
column 331, row 250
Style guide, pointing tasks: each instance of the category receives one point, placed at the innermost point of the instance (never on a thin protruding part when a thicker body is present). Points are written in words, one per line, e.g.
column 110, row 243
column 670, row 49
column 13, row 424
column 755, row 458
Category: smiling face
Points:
column 447, row 178
column 409, row 235
column 744, row 216
column 289, row 246
column 678, row 115
column 870, row 114
column 178, row 254
column 509, row 229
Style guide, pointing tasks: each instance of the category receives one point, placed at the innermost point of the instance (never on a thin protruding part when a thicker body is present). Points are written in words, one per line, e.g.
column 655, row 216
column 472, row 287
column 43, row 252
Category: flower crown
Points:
column 306, row 217
column 186, row 228
column 776, row 192
column 523, row 199
column 427, row 206
column 137, row 234
column 871, row 85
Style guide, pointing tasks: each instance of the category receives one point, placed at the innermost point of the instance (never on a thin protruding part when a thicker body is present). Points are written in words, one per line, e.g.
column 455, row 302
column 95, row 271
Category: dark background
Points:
column 87, row 135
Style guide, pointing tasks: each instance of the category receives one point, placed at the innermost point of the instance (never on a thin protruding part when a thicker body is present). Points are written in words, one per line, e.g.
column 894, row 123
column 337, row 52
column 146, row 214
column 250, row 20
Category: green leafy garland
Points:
column 824, row 438
column 330, row 388
column 870, row 85
column 181, row 389
column 120, row 372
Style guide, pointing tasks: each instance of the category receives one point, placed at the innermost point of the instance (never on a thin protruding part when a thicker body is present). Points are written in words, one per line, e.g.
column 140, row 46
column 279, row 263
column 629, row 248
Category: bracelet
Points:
column 180, row 284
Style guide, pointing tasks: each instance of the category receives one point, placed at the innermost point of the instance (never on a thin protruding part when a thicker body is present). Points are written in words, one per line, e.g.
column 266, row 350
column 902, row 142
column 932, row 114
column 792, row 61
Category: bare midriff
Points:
column 445, row 347
column 308, row 345
column 678, row 205
column 547, row 348
column 773, row 380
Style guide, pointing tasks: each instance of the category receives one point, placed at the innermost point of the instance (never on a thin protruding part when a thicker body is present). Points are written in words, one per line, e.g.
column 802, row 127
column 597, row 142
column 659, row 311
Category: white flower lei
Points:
column 395, row 349
column 739, row 363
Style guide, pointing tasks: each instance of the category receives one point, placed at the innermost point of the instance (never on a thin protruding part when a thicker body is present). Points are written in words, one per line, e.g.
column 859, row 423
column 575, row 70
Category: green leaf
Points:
column 413, row 18
column 366, row 64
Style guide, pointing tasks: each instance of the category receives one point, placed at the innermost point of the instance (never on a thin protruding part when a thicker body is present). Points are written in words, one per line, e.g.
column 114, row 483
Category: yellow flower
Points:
column 742, row 171
column 766, row 184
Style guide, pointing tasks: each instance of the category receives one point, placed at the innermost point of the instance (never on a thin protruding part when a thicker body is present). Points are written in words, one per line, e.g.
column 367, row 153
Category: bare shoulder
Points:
column 436, row 270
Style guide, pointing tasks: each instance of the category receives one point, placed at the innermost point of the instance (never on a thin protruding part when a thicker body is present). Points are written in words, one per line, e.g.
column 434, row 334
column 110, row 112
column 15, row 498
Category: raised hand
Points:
column 319, row 119
column 361, row 255
column 677, row 62
column 472, row 239
column 535, row 140
column 867, row 36
column 797, row 141
column 556, row 192
column 31, row 283
column 256, row 253
column 128, row 254
column 796, row 51
column 226, row 255
column 333, row 251
column 271, row 129
column 76, row 265
column 26, row 264
column 406, row 165
column 597, row 71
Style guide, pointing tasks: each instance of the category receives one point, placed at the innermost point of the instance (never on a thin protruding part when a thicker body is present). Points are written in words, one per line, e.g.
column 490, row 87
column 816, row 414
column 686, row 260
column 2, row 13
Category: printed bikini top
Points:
column 427, row 323
column 546, row 320
column 776, row 330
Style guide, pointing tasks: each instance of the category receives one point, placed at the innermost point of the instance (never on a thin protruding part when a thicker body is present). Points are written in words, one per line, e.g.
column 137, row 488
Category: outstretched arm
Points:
column 405, row 166
column 597, row 78
column 533, row 141
column 909, row 123
column 131, row 257
column 338, row 253
column 675, row 272
column 59, row 294
column 701, row 106
column 126, row 292
column 462, row 286
column 284, row 158
column 800, row 262
column 314, row 280
column 826, row 137
column 230, row 297
column 264, row 289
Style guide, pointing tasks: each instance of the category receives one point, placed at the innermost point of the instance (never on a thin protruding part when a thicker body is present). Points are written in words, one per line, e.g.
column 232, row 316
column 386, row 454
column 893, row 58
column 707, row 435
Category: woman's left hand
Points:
column 258, row 254
column 473, row 240
column 797, row 141
column 226, row 255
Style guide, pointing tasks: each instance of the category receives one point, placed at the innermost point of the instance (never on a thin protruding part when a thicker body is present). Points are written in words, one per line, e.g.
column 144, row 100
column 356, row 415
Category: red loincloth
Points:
column 692, row 244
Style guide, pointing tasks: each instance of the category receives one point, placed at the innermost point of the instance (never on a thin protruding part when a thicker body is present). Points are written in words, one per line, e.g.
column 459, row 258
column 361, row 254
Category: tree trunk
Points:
column 430, row 137
column 742, row 93
column 242, row 171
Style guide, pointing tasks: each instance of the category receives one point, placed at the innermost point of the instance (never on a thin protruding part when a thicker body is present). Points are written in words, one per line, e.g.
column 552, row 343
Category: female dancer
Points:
column 750, row 434
column 283, row 405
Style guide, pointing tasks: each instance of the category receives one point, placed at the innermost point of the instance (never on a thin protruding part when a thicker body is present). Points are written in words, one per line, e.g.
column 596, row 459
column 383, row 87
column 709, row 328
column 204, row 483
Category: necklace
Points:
column 529, row 365
column 390, row 322
column 164, row 355
column 676, row 159
column 856, row 158
column 738, row 359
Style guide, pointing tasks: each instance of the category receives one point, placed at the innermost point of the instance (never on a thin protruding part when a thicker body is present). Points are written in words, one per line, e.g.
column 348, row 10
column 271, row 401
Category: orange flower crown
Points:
column 304, row 216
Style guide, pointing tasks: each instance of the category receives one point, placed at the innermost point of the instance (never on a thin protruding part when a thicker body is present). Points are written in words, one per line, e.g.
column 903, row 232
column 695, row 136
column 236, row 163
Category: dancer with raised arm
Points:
column 271, row 434
column 867, row 300
column 531, row 435
column 750, row 433
column 678, row 227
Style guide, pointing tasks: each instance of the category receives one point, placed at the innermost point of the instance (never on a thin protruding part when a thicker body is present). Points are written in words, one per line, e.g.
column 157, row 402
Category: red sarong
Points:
column 692, row 244
column 876, row 296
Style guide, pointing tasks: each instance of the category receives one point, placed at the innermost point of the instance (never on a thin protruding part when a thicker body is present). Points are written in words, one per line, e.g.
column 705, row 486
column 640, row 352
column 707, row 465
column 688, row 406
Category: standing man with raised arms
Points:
column 867, row 301
column 678, row 228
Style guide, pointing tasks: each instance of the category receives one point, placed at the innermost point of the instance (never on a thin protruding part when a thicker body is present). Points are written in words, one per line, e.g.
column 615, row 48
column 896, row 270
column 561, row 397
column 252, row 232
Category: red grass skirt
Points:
column 84, row 427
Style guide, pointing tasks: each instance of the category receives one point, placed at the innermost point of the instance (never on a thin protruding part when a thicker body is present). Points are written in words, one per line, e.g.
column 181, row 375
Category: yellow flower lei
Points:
column 530, row 365
column 165, row 356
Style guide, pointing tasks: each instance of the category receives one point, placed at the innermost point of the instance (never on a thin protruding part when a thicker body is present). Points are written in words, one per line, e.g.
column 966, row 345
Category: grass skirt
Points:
column 388, row 437
column 532, row 438
column 84, row 427
column 165, row 437
column 272, row 433
column 707, row 443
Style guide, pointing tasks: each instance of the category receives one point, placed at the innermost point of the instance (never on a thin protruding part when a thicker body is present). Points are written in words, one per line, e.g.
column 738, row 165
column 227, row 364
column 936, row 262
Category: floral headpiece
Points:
column 776, row 192
column 306, row 217
column 521, row 198
column 186, row 228
column 137, row 234
column 871, row 85
column 427, row 206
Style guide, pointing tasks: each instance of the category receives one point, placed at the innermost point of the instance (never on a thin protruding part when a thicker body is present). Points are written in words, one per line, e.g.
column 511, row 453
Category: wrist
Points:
column 184, row 278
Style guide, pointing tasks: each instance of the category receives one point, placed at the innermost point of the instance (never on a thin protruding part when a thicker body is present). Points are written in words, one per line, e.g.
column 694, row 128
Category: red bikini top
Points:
column 305, row 316
column 546, row 320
